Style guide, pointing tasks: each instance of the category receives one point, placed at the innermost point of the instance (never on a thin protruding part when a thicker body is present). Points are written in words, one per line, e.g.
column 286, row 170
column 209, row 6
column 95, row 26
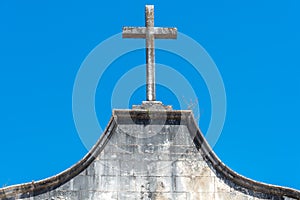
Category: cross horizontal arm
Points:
column 134, row 32
column 140, row 32
column 165, row 33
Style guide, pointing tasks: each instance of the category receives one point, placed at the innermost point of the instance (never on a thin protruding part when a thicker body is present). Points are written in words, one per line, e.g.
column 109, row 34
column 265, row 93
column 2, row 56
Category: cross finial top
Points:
column 150, row 33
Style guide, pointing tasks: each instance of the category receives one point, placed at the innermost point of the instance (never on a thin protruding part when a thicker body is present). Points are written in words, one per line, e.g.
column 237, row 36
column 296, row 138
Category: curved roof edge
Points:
column 38, row 187
column 232, row 178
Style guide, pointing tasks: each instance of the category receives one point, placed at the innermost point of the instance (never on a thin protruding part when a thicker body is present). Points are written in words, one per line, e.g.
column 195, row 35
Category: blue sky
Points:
column 254, row 44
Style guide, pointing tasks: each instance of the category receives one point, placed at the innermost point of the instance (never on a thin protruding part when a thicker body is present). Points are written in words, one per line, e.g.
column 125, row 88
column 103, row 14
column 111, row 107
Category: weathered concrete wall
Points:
column 150, row 159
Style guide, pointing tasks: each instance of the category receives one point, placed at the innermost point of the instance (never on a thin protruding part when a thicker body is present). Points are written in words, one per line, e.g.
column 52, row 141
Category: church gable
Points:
column 154, row 155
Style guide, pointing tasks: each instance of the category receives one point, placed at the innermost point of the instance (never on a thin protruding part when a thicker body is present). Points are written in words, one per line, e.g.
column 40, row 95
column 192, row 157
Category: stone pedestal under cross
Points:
column 150, row 33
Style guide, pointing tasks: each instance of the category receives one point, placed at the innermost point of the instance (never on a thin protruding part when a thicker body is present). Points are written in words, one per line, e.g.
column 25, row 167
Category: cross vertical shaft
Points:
column 150, row 54
column 150, row 33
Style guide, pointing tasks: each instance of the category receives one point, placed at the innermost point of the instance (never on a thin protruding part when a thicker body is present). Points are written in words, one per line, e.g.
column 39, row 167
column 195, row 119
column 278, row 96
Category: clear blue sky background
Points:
column 255, row 45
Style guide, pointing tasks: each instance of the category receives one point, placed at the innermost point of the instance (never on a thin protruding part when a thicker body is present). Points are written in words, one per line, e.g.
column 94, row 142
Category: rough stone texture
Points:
column 150, row 33
column 149, row 154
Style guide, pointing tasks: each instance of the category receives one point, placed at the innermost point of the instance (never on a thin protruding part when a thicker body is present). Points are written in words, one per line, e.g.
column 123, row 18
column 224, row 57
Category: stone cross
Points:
column 150, row 33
